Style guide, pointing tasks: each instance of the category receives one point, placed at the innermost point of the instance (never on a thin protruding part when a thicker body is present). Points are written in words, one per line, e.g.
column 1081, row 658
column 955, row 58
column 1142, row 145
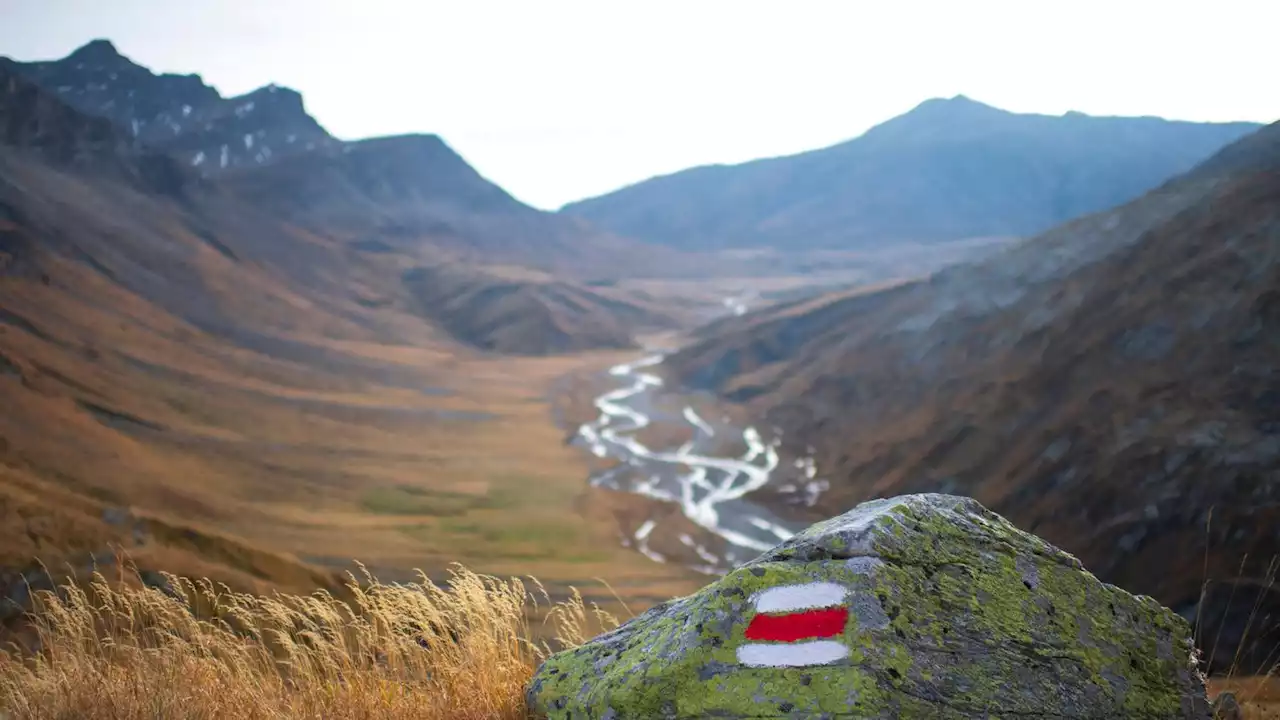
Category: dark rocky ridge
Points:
column 180, row 113
column 412, row 193
column 338, row 226
column 61, row 136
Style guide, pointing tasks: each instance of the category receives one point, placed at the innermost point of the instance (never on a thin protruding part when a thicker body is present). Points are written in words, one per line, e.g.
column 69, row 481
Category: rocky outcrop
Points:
column 916, row 606
column 179, row 114
column 42, row 125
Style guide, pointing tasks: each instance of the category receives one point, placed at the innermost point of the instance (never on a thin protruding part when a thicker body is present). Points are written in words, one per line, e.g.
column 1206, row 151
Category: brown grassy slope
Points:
column 229, row 396
column 1106, row 385
column 530, row 315
column 448, row 458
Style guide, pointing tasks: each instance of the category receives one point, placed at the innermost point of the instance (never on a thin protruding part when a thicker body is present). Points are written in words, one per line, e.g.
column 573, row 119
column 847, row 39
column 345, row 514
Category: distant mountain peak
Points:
column 274, row 95
column 939, row 117
column 951, row 168
column 952, row 106
column 180, row 114
column 959, row 99
column 95, row 50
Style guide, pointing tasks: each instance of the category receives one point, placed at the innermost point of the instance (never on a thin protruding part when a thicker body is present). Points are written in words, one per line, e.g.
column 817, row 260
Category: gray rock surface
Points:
column 921, row 606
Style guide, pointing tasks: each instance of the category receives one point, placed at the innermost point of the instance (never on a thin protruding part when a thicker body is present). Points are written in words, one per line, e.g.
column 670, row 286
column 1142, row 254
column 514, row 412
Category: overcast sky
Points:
column 560, row 100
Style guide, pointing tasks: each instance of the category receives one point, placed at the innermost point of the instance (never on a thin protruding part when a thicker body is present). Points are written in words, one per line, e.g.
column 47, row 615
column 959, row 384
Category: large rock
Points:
column 922, row 606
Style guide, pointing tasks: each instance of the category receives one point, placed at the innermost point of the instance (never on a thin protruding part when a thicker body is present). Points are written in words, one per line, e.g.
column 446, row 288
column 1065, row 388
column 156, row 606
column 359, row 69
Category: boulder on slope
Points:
column 910, row 607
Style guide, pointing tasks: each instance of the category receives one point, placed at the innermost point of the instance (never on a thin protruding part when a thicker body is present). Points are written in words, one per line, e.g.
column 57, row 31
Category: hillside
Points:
column 1110, row 385
column 124, row 295
column 221, row 392
column 529, row 314
column 948, row 169
column 414, row 195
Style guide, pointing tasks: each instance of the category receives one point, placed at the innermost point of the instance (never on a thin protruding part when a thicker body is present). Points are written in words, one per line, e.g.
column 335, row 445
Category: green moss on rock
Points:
column 953, row 613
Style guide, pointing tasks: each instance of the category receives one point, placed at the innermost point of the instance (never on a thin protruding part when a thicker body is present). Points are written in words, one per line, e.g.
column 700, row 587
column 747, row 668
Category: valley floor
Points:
column 207, row 460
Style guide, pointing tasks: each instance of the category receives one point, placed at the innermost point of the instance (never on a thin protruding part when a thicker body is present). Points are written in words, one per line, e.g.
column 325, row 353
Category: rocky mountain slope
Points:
column 948, row 169
column 78, row 189
column 336, row 240
column 179, row 114
column 58, row 134
column 411, row 192
column 1110, row 385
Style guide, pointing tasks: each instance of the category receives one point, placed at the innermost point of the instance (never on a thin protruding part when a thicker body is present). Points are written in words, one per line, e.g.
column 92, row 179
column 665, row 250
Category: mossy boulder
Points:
column 921, row 606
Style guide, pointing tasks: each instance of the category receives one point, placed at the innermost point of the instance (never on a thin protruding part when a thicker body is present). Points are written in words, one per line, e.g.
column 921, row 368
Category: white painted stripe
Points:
column 790, row 598
column 814, row 652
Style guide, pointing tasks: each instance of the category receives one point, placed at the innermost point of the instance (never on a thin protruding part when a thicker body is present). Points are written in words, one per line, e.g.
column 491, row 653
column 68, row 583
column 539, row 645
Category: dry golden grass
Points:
column 113, row 651
column 1259, row 697
column 120, row 651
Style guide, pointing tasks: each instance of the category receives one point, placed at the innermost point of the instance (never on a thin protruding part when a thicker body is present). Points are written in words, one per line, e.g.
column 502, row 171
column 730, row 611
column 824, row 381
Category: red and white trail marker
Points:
column 792, row 626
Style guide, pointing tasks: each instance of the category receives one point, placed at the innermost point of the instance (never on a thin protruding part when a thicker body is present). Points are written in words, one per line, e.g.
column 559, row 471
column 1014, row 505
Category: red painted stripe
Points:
column 798, row 626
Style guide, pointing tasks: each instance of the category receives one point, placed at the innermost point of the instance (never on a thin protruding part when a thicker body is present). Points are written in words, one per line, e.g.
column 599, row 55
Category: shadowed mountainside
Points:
column 946, row 170
column 179, row 114
column 1108, row 385
column 413, row 193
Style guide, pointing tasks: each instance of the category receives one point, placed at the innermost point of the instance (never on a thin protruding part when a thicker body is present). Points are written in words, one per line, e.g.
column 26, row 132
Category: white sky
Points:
column 556, row 100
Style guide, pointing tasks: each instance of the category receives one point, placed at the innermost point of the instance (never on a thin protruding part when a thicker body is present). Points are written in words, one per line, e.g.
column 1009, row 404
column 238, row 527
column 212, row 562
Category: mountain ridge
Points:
column 63, row 137
column 179, row 114
column 410, row 192
column 349, row 228
column 947, row 169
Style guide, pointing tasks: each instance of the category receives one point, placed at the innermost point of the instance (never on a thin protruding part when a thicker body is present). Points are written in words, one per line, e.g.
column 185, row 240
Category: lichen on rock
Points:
column 943, row 610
